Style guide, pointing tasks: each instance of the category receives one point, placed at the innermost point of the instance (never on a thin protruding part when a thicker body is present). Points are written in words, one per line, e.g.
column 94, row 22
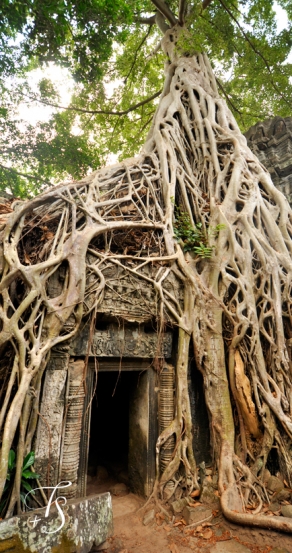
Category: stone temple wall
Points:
column 271, row 142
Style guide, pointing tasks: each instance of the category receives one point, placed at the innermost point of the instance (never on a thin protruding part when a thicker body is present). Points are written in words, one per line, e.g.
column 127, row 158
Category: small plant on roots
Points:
column 194, row 238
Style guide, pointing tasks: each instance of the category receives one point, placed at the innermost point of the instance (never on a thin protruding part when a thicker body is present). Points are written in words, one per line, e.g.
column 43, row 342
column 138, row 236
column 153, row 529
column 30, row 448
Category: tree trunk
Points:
column 195, row 167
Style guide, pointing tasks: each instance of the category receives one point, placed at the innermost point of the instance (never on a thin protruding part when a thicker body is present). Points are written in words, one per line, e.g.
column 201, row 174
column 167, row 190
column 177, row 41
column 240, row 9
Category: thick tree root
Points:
column 283, row 524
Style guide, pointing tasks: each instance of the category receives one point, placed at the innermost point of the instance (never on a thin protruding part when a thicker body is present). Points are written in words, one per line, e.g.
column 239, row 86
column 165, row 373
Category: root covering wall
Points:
column 234, row 307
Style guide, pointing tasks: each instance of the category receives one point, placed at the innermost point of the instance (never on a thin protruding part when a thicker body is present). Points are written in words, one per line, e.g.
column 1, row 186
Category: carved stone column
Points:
column 70, row 450
column 47, row 445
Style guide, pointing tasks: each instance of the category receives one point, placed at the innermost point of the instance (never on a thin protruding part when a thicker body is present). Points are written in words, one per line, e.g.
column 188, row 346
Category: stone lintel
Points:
column 119, row 341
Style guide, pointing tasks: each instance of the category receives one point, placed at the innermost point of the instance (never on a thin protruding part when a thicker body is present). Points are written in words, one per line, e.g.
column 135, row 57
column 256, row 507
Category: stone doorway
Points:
column 62, row 438
column 123, row 425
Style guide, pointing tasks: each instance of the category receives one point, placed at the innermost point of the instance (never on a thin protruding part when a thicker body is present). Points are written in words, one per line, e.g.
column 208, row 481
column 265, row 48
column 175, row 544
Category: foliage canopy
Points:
column 111, row 51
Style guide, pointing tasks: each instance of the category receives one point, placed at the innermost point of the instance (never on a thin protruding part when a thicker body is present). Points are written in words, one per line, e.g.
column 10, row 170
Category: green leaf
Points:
column 26, row 485
column 29, row 474
column 29, row 460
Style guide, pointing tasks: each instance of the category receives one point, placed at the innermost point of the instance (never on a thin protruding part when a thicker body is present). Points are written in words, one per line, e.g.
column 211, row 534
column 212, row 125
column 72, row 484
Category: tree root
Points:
column 279, row 523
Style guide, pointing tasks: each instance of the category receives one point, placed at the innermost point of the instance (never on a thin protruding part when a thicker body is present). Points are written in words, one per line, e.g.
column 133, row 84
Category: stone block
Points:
column 215, row 479
column 283, row 495
column 149, row 517
column 270, row 141
column 286, row 511
column 193, row 515
column 208, row 496
column 275, row 506
column 266, row 476
column 275, row 484
column 178, row 505
column 86, row 523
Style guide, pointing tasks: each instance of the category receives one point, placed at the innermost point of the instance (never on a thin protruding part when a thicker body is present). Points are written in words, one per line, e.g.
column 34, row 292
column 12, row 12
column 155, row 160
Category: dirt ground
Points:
column 160, row 535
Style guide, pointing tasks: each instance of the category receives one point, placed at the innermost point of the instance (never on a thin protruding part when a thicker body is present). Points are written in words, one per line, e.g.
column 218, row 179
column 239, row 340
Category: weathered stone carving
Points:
column 70, row 452
column 47, row 445
column 88, row 522
column 114, row 364
column 85, row 435
column 271, row 141
column 166, row 412
column 125, row 297
column 120, row 341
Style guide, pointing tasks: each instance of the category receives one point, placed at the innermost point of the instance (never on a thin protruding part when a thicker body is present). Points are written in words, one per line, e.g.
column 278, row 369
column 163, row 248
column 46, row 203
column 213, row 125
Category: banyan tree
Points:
column 195, row 207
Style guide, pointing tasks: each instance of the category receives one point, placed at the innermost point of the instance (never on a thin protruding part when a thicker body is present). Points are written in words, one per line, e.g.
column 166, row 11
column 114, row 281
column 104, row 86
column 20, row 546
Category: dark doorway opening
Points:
column 122, row 428
column 109, row 428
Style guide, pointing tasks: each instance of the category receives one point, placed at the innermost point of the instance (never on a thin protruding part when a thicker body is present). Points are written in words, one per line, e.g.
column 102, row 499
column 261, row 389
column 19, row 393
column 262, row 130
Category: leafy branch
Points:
column 25, row 175
column 98, row 111
column 256, row 51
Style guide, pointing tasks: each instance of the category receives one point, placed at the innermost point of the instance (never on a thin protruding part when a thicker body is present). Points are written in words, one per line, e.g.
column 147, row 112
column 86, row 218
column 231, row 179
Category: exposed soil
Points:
column 131, row 535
